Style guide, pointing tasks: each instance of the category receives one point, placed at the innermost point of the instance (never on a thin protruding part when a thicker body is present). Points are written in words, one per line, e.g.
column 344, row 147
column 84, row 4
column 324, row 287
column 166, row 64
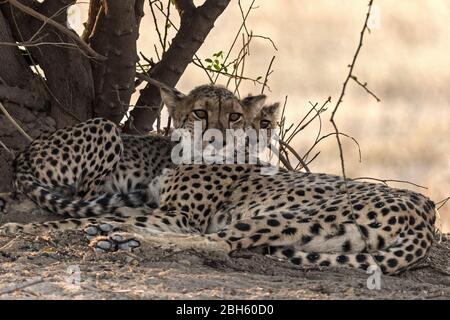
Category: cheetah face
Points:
column 214, row 106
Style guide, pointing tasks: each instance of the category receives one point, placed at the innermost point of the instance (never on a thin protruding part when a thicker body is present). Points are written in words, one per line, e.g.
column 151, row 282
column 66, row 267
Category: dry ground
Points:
column 39, row 267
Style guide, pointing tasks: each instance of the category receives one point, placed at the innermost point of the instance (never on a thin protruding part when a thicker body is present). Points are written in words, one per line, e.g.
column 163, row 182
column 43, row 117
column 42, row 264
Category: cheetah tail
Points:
column 54, row 202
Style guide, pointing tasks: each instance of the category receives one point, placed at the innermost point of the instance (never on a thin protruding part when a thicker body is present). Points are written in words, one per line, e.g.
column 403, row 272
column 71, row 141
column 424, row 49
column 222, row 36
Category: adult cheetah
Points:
column 309, row 219
column 91, row 169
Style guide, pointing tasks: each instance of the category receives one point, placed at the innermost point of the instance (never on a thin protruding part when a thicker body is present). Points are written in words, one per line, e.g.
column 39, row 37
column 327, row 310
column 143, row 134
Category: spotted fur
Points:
column 90, row 169
column 305, row 218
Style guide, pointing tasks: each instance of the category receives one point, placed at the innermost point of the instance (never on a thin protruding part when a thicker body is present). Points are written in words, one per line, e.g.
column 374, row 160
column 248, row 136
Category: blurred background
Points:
column 404, row 60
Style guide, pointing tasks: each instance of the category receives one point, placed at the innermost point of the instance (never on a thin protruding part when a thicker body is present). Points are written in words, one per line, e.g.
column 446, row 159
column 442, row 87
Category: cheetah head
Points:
column 214, row 106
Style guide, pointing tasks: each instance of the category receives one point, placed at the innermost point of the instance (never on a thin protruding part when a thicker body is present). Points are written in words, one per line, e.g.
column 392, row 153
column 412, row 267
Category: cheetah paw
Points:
column 205, row 244
column 115, row 241
column 10, row 229
column 101, row 229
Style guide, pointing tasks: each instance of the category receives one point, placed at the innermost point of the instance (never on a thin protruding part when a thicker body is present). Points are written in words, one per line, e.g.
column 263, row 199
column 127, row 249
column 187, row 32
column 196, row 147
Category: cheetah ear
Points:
column 272, row 109
column 253, row 104
column 171, row 98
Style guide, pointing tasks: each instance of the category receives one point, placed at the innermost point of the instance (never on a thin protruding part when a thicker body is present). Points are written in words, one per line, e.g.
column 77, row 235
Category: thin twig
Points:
column 299, row 158
column 39, row 73
column 22, row 285
column 442, row 203
column 200, row 64
column 302, row 126
column 344, row 87
column 7, row 149
column 14, row 123
column 58, row 26
column 266, row 78
column 154, row 82
column 286, row 162
column 364, row 85
column 337, row 133
column 385, row 181
column 333, row 134
column 237, row 35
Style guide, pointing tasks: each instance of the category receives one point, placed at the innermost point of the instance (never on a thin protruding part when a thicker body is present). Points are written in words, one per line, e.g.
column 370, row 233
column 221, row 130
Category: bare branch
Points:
column 14, row 123
column 300, row 160
column 59, row 27
column 344, row 87
column 364, row 86
column 337, row 133
column 386, row 181
column 184, row 6
column 11, row 153
column 94, row 8
column 194, row 27
column 442, row 203
column 266, row 78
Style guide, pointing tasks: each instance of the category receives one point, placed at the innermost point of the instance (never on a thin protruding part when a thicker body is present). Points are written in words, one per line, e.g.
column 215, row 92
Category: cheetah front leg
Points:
column 166, row 229
column 111, row 233
column 13, row 228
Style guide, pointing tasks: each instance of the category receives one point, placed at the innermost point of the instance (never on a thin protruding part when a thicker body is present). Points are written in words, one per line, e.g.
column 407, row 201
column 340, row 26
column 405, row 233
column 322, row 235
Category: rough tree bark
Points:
column 24, row 96
column 67, row 71
column 17, row 82
column 80, row 88
column 195, row 25
column 75, row 87
column 114, row 36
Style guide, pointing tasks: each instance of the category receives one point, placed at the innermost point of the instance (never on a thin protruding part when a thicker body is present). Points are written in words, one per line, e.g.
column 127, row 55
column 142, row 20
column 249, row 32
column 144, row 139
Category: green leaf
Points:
column 208, row 60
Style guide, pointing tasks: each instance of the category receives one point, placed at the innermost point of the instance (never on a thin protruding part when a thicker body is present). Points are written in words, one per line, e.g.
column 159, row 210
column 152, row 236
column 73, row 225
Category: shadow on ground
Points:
column 44, row 267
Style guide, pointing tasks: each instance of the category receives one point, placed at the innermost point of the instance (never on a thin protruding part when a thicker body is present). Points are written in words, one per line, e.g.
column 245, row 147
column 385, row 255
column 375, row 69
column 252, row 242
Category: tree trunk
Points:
column 114, row 36
column 67, row 70
column 196, row 23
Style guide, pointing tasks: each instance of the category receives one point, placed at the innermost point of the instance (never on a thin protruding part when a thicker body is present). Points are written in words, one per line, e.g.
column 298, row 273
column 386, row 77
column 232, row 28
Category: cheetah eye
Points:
column 264, row 124
column 200, row 114
column 235, row 116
